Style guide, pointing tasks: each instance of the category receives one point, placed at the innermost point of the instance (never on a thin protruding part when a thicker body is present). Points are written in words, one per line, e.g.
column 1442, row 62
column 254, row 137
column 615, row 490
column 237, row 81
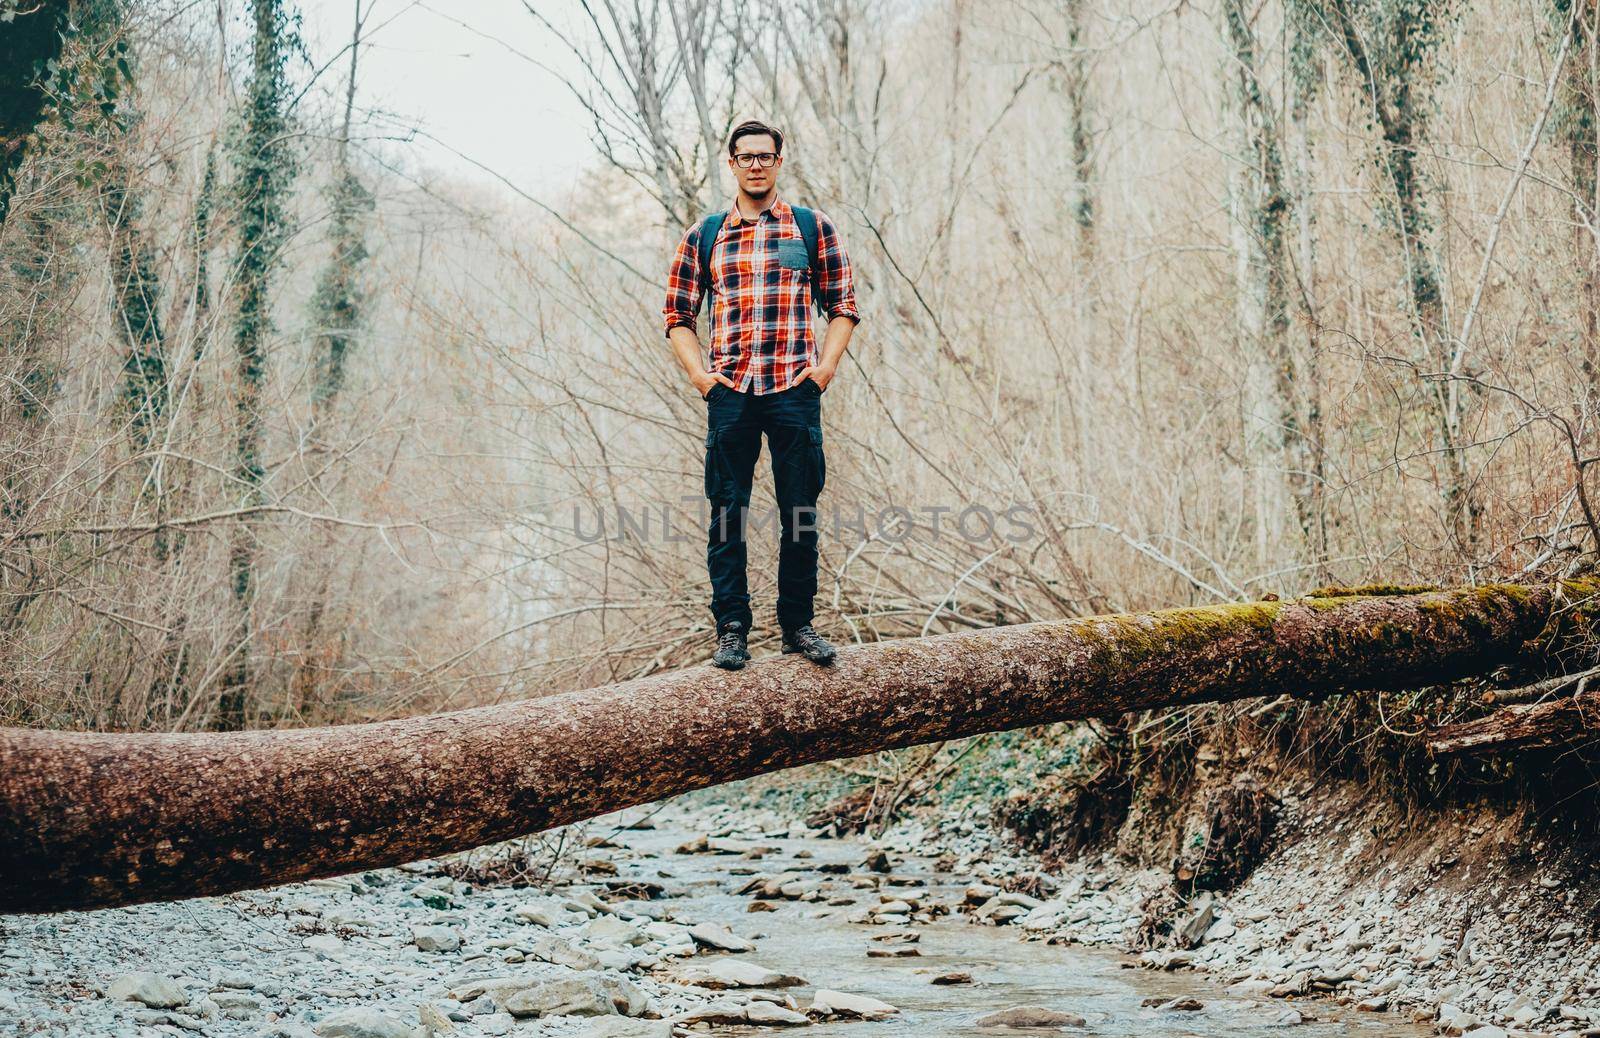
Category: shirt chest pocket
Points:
column 792, row 258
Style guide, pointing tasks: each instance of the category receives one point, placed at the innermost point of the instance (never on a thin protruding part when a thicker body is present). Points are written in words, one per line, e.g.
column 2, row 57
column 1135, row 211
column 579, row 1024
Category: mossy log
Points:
column 89, row 820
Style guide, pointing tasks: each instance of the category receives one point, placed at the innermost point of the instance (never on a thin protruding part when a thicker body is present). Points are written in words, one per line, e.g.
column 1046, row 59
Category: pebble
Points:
column 954, row 977
column 436, row 938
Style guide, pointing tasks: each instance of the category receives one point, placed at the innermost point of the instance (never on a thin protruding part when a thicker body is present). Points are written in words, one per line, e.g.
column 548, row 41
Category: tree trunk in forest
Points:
column 1259, row 210
column 89, row 820
column 265, row 172
column 135, row 298
column 1580, row 125
column 1390, row 50
column 1306, row 455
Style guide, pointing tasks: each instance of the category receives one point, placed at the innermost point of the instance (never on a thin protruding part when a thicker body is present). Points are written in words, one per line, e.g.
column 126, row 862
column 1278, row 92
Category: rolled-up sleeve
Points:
column 683, row 283
column 835, row 284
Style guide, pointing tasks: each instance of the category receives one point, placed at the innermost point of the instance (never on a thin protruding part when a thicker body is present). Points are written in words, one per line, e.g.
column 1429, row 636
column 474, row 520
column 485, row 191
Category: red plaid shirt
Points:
column 761, row 333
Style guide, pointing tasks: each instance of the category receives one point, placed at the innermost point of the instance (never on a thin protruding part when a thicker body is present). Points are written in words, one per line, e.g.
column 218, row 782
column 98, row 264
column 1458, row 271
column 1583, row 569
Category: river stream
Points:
column 1006, row 970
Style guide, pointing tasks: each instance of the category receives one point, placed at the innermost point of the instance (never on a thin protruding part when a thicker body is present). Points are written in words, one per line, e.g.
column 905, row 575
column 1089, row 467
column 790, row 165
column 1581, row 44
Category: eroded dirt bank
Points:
column 1467, row 919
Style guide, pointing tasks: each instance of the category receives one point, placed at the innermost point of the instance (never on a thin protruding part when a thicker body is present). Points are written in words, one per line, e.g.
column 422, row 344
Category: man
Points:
column 763, row 263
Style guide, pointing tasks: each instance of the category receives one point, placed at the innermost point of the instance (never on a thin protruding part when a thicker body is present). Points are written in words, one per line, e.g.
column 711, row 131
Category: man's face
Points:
column 758, row 180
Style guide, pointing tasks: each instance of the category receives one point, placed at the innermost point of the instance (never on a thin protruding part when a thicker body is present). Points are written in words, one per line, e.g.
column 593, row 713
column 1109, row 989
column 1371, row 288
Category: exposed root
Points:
column 1234, row 833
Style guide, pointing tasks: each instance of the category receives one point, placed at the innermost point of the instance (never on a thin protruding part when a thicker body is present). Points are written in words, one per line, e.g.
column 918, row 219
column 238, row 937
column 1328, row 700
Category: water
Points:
column 1006, row 970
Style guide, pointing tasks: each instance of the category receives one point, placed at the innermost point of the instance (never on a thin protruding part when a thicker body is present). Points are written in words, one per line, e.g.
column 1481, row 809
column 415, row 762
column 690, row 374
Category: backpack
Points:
column 711, row 226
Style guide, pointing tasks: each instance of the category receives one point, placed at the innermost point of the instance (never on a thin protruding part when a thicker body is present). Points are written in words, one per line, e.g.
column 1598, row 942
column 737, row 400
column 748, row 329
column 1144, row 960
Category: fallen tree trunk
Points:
column 1526, row 726
column 90, row 820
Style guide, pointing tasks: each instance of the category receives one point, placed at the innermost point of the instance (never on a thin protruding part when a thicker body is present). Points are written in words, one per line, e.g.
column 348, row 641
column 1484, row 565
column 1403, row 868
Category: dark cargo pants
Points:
column 792, row 422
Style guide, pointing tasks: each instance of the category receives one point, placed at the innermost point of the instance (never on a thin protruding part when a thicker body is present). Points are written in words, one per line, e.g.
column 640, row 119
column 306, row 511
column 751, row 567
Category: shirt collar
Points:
column 779, row 209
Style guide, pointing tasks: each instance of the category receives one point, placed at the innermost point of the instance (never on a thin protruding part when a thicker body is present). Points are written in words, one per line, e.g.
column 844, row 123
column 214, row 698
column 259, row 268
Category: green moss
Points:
column 1371, row 590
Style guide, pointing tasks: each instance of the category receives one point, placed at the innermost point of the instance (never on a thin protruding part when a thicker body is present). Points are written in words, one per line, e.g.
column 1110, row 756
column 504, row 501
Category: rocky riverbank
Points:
column 723, row 919
column 737, row 918
column 1454, row 919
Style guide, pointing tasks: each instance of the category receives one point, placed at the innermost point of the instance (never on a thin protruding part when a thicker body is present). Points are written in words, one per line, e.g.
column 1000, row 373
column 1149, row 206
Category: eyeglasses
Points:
column 768, row 159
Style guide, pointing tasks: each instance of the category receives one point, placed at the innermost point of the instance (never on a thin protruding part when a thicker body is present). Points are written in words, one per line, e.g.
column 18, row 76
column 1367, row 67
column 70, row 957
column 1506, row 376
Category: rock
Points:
column 620, row 959
column 434, row 1020
column 719, row 937
column 1166, row 960
column 1250, row 988
column 1184, row 1005
column 608, row 929
column 323, row 944
column 155, row 991
column 1298, row 984
column 859, row 1007
column 1030, row 1016
column 1376, row 1004
column 617, row 1027
column 894, row 952
column 156, row 1018
column 723, row 845
column 1454, row 1020
column 769, row 1013
column 545, row 912
column 954, row 977
column 495, row 1023
column 723, row 1012
column 898, row 937
column 578, row 996
column 562, row 952
column 1489, row 1031
column 436, row 938
column 1390, row 984
column 1429, row 951
column 1192, row 930
column 733, row 973
column 361, row 1022
column 1004, row 913
column 229, row 1001
column 1335, row 976
column 762, row 906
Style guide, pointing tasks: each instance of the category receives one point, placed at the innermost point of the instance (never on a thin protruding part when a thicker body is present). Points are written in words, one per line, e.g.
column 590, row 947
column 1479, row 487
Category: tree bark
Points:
column 1526, row 726
column 90, row 820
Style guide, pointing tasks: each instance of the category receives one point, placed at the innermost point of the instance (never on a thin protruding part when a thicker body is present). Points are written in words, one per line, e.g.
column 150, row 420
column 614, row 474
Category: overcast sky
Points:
column 450, row 68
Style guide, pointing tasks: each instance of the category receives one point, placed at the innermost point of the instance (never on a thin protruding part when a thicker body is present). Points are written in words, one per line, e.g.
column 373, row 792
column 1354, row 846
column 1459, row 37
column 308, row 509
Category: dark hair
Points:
column 755, row 128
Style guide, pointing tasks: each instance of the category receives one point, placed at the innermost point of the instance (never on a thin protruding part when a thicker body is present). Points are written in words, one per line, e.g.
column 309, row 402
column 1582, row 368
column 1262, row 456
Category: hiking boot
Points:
column 732, row 651
column 808, row 643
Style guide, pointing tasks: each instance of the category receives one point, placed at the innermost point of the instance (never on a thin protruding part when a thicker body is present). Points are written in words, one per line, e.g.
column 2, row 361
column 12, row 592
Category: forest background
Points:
column 1233, row 299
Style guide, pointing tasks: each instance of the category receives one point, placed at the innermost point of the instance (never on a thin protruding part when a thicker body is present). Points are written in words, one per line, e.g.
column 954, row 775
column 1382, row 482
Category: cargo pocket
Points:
column 819, row 464
column 714, row 468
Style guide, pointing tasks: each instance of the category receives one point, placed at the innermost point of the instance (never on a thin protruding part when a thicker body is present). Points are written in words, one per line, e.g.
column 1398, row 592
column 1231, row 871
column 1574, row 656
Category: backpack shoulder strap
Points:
column 710, row 227
column 806, row 219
